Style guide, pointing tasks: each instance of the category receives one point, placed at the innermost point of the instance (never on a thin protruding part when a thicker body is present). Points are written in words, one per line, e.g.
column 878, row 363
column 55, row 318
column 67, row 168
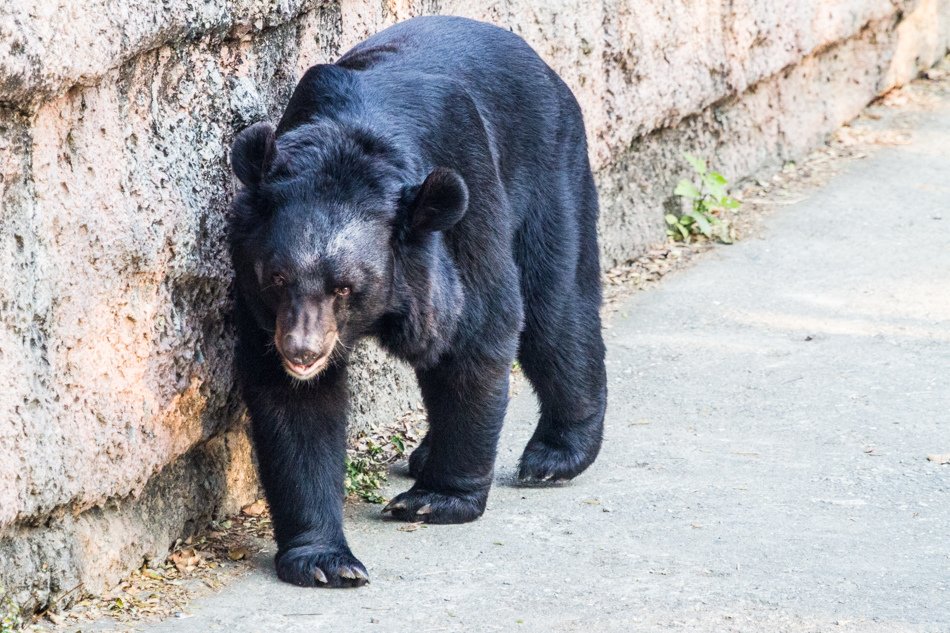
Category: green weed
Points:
column 364, row 478
column 10, row 619
column 707, row 197
column 366, row 471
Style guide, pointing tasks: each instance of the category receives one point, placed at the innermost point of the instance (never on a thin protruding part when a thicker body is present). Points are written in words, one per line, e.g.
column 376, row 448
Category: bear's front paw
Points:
column 312, row 566
column 419, row 504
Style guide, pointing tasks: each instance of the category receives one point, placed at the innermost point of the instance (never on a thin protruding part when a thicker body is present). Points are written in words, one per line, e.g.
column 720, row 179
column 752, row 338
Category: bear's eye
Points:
column 278, row 280
column 342, row 291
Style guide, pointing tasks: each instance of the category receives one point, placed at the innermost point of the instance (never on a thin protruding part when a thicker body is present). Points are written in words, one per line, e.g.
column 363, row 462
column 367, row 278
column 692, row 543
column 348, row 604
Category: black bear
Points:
column 431, row 189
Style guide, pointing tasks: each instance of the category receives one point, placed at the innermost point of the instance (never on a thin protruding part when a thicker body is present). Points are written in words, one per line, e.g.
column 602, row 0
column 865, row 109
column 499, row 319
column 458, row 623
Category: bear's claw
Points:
column 394, row 505
column 312, row 566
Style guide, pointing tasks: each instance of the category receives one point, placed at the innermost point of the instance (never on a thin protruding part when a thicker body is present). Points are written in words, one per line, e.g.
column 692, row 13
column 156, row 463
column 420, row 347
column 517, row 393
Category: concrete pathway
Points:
column 771, row 410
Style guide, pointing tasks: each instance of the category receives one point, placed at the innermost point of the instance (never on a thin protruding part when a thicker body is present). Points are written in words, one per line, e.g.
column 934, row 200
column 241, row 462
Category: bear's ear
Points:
column 253, row 153
column 439, row 203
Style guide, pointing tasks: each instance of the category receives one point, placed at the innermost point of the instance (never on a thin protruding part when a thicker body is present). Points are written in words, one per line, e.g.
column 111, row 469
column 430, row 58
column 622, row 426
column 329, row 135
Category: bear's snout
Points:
column 305, row 341
column 305, row 355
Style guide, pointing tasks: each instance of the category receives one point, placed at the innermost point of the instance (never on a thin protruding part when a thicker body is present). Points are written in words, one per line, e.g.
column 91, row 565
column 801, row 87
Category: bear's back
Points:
column 464, row 49
column 419, row 68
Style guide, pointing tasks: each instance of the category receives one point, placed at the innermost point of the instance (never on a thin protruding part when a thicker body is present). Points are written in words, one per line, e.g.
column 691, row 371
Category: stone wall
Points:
column 119, row 426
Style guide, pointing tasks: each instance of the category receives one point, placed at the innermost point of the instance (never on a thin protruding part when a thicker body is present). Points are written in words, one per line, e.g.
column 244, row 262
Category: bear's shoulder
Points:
column 323, row 90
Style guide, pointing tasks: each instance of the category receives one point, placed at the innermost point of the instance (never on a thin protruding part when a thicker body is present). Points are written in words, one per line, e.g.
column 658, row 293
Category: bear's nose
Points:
column 305, row 358
column 298, row 351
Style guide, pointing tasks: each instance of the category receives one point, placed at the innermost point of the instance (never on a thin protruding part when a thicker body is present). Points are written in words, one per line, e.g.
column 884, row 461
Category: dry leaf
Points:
column 185, row 560
column 151, row 573
column 410, row 527
column 939, row 459
column 238, row 553
column 255, row 509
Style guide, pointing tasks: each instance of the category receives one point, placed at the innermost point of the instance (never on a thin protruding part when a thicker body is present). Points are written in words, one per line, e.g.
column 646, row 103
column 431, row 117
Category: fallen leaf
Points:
column 410, row 527
column 939, row 459
column 255, row 509
column 185, row 560
column 238, row 553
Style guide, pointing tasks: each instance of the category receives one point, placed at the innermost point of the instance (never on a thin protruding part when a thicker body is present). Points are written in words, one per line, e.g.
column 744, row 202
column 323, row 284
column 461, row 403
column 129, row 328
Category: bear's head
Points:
column 320, row 232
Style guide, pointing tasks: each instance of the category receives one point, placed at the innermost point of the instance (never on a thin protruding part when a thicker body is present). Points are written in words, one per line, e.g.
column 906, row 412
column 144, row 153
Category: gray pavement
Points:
column 771, row 410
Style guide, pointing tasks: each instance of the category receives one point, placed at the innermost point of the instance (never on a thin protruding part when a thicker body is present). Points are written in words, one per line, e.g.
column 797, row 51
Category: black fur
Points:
column 432, row 190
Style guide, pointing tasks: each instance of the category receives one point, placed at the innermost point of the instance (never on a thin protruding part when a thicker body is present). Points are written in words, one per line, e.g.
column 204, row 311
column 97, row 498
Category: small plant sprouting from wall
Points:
column 708, row 199
column 10, row 619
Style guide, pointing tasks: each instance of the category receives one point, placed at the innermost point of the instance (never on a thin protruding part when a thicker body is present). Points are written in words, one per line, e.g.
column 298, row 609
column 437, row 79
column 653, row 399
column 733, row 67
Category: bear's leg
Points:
column 465, row 401
column 300, row 438
column 565, row 364
column 572, row 391
column 562, row 354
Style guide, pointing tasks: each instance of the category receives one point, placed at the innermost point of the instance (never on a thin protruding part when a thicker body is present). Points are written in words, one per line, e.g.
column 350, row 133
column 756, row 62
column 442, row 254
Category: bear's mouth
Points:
column 305, row 372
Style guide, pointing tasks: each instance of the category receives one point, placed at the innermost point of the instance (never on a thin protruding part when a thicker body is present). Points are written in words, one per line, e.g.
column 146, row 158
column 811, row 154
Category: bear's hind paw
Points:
column 419, row 504
column 543, row 463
